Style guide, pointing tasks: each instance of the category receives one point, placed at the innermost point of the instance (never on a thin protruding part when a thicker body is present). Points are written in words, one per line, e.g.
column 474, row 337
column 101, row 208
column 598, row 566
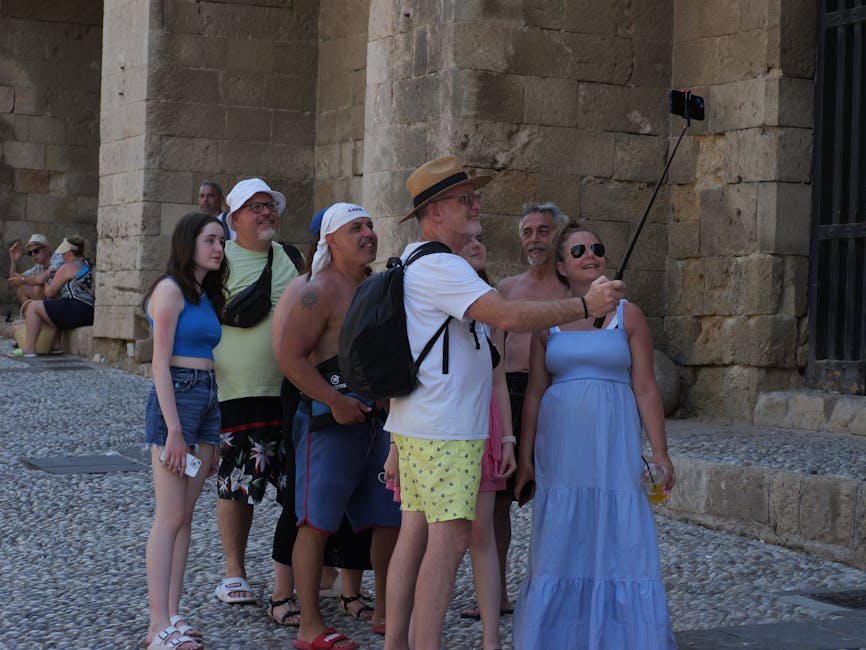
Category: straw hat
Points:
column 436, row 177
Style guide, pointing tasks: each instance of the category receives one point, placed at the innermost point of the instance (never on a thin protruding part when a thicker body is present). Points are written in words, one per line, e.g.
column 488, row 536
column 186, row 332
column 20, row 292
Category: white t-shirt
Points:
column 455, row 406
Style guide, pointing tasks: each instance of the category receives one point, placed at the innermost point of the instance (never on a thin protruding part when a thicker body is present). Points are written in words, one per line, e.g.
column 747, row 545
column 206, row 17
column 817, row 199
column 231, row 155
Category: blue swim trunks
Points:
column 337, row 471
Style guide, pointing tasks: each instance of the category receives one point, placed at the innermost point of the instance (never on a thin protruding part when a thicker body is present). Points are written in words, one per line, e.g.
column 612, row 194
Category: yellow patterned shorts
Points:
column 439, row 477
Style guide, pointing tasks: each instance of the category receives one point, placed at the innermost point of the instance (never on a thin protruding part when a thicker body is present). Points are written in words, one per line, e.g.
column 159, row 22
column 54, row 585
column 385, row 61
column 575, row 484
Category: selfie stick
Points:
column 598, row 322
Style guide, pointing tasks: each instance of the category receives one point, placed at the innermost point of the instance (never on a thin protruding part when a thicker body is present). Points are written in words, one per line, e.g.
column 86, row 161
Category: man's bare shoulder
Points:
column 506, row 285
column 525, row 286
column 327, row 288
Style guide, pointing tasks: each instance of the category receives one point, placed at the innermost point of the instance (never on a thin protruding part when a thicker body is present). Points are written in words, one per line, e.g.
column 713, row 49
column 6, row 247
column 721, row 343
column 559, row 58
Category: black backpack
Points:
column 375, row 358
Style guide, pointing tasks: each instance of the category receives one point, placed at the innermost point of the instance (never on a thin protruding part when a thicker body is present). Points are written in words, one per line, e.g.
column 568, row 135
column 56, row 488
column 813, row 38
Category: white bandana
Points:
column 337, row 216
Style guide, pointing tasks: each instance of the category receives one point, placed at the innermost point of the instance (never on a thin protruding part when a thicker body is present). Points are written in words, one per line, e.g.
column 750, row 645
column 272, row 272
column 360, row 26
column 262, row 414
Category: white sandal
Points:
column 229, row 586
column 182, row 625
column 171, row 639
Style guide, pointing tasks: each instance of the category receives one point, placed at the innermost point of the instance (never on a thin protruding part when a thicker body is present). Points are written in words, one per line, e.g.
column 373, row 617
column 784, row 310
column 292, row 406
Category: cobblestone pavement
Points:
column 72, row 556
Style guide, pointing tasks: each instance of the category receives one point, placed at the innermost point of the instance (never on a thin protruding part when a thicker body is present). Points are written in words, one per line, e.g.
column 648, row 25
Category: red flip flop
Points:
column 327, row 640
column 379, row 629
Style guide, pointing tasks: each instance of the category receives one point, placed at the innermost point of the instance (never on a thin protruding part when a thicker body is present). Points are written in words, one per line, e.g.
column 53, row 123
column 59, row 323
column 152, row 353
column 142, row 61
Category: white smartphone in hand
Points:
column 193, row 464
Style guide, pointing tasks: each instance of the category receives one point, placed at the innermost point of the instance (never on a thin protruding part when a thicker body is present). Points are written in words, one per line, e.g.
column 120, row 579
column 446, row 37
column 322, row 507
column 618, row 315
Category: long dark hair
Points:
column 181, row 264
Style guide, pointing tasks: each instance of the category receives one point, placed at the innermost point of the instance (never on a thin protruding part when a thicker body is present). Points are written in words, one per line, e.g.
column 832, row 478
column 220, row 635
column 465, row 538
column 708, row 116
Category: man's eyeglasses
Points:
column 578, row 250
column 35, row 251
column 466, row 199
column 258, row 207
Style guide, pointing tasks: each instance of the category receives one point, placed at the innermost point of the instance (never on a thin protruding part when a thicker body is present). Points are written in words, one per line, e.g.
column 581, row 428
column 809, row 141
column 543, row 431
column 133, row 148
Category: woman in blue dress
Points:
column 593, row 580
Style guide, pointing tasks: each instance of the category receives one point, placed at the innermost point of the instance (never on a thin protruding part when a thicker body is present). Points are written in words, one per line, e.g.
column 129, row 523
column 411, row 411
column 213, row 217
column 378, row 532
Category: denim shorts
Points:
column 195, row 394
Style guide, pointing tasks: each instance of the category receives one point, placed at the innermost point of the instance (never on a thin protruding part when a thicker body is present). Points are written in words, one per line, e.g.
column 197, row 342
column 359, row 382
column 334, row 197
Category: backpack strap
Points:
column 427, row 249
column 294, row 255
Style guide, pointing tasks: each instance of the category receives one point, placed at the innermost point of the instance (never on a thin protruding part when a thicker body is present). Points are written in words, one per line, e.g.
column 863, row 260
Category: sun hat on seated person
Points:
column 434, row 178
column 37, row 239
column 65, row 247
column 243, row 191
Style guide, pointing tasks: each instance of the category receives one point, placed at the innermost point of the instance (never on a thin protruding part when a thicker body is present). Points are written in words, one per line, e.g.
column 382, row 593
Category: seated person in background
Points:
column 68, row 297
column 30, row 285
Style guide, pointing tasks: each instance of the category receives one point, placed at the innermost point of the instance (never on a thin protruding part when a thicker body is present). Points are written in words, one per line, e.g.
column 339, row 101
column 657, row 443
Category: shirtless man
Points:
column 340, row 445
column 537, row 229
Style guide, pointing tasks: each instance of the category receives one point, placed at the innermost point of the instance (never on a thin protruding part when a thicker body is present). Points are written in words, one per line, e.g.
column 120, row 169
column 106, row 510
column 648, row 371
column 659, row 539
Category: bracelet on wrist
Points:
column 511, row 439
column 585, row 310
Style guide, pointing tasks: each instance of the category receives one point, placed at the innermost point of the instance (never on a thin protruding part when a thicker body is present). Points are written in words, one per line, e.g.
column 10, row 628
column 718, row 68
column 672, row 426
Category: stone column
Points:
column 195, row 91
column 128, row 224
column 737, row 270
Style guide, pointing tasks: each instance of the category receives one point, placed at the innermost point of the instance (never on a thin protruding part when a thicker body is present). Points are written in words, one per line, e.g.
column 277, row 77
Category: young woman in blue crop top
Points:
column 182, row 415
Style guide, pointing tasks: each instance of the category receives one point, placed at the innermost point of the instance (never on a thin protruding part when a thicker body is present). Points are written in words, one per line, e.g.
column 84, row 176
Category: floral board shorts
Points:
column 252, row 453
column 439, row 477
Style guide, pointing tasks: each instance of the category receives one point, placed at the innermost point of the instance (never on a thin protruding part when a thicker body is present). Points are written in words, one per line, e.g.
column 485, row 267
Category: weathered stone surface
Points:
column 728, row 219
column 696, row 476
column 31, row 181
column 785, row 493
column 744, row 285
column 639, row 157
column 668, row 379
column 741, row 55
column 577, row 151
column 731, row 392
column 726, row 494
column 637, row 110
column 783, row 212
column 827, row 508
column 769, row 154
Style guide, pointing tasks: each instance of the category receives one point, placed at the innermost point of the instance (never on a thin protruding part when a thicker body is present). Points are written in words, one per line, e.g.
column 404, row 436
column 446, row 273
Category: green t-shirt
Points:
column 244, row 359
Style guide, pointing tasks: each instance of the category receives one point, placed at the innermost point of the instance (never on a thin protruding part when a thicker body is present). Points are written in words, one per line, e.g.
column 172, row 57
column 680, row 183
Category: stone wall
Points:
column 558, row 101
column 196, row 90
column 49, row 124
column 340, row 95
column 340, row 99
column 739, row 232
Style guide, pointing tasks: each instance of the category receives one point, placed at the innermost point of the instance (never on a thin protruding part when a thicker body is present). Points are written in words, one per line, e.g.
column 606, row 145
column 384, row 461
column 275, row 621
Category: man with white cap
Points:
column 31, row 283
column 439, row 429
column 340, row 445
column 249, row 380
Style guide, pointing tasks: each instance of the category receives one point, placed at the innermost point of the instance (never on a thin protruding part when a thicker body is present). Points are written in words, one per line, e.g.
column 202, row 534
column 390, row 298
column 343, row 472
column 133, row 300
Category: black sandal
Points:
column 343, row 606
column 288, row 614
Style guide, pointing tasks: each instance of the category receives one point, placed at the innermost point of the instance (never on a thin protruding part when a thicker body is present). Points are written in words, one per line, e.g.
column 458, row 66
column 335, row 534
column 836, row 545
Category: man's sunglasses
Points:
column 579, row 249
column 35, row 251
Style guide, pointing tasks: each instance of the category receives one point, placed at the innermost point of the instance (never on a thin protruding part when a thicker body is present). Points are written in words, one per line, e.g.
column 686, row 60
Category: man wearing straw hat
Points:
column 440, row 428
column 340, row 444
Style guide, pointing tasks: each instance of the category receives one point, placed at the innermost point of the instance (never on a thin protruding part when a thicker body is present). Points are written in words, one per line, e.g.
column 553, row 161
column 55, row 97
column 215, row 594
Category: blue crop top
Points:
column 198, row 330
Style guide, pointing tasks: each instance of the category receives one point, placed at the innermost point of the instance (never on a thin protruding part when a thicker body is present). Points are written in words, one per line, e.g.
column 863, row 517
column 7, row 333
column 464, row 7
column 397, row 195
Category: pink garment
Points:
column 492, row 451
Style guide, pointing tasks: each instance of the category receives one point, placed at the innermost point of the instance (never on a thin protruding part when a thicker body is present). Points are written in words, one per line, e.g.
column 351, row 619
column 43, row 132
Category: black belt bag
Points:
column 253, row 304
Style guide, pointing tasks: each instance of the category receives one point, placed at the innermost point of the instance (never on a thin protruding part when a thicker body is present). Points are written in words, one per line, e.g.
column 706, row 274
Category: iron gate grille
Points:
column 837, row 273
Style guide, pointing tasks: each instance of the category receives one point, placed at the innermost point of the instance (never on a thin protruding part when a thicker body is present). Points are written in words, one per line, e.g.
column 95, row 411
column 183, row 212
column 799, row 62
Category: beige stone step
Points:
column 823, row 515
column 812, row 410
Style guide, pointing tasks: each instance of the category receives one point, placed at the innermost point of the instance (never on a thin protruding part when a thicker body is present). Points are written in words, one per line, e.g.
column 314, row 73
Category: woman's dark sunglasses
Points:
column 579, row 249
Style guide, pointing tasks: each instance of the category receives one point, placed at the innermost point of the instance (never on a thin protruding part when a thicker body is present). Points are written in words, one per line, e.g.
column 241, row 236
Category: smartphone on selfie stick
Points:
column 690, row 107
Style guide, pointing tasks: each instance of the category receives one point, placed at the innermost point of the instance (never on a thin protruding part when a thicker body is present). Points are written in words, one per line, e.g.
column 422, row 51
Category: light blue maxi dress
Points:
column 593, row 580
